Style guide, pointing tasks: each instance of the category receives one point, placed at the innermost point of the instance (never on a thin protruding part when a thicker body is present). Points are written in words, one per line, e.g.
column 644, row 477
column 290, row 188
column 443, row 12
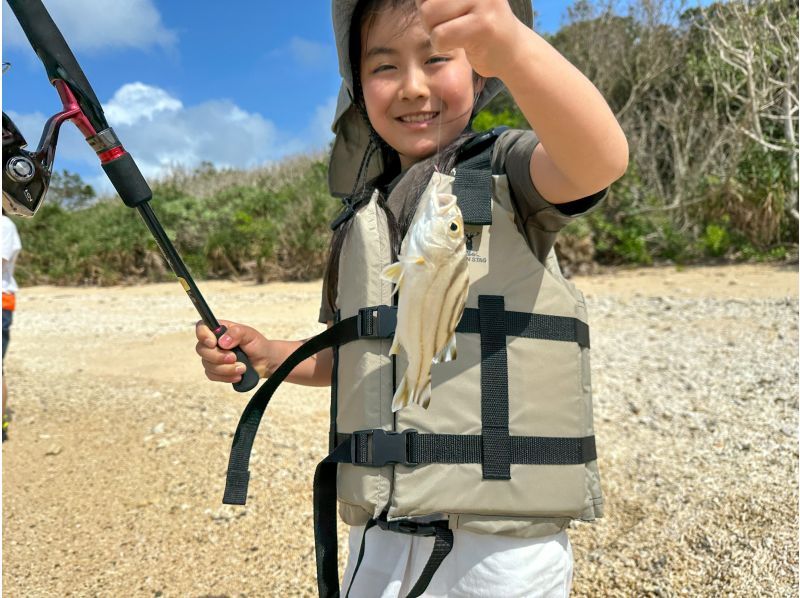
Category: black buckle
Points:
column 404, row 526
column 377, row 322
column 386, row 447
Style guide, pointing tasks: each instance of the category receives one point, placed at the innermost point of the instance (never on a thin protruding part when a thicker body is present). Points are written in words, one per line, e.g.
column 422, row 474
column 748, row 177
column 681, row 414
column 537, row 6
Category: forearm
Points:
column 314, row 371
column 573, row 122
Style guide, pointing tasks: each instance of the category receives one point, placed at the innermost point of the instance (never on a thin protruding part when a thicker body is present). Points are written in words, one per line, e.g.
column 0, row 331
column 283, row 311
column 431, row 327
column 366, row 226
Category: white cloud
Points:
column 71, row 144
column 309, row 53
column 305, row 53
column 30, row 125
column 136, row 101
column 115, row 24
column 320, row 129
column 162, row 133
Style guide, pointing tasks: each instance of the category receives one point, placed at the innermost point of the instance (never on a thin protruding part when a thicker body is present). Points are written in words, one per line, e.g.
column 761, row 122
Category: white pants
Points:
column 479, row 565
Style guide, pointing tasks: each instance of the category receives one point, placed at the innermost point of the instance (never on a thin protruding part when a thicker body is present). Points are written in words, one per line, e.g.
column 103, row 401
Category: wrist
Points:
column 273, row 357
column 521, row 50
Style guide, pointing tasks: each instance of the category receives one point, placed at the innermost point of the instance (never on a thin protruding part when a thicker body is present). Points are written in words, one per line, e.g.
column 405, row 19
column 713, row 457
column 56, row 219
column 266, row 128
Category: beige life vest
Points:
column 526, row 424
column 507, row 445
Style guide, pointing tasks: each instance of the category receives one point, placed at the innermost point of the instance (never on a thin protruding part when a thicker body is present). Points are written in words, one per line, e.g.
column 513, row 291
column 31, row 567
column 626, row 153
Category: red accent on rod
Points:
column 72, row 109
column 112, row 154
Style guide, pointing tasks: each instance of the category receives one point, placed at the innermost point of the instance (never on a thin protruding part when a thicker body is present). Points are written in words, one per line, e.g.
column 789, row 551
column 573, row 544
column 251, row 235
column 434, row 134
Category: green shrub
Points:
column 716, row 240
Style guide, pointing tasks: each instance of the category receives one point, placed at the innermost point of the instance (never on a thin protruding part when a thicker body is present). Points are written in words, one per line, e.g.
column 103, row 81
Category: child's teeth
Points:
column 418, row 117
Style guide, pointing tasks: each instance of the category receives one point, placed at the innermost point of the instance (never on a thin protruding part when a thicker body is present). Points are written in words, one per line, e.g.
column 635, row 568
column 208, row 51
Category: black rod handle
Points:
column 128, row 180
column 250, row 377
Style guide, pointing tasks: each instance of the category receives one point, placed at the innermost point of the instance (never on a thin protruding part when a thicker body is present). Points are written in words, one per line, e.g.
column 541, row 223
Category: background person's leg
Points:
column 7, row 317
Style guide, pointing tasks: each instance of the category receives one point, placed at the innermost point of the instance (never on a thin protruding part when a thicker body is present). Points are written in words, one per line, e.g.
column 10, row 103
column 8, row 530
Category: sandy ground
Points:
column 113, row 477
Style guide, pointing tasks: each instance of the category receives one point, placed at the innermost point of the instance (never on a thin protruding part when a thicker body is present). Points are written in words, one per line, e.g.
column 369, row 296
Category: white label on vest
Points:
column 473, row 233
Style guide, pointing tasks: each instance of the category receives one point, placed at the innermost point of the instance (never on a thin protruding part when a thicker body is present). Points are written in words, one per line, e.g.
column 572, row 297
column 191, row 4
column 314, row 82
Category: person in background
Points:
column 11, row 248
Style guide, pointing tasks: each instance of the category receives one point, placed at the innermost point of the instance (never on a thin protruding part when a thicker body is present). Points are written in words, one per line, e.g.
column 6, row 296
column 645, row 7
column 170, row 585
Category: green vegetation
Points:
column 264, row 225
column 707, row 98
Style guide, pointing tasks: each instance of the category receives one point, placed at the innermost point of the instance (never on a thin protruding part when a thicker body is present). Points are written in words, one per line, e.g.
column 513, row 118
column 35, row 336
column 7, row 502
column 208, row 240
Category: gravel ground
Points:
column 113, row 477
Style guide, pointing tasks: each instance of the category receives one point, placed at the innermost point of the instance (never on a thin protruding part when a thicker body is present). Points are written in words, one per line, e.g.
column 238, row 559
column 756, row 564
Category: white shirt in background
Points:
column 11, row 248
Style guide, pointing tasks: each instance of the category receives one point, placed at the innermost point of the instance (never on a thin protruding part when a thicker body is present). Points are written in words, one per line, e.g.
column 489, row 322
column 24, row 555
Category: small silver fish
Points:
column 433, row 276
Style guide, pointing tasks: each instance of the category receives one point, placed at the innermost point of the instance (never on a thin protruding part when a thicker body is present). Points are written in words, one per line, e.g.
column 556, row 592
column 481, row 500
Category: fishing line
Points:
column 447, row 122
column 439, row 136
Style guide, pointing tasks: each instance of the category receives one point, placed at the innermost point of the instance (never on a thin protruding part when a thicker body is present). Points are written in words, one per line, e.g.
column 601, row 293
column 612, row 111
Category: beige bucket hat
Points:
column 352, row 133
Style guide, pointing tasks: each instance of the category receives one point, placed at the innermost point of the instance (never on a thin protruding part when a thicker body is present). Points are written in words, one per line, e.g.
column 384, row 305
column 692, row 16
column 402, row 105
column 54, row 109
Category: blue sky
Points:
column 238, row 84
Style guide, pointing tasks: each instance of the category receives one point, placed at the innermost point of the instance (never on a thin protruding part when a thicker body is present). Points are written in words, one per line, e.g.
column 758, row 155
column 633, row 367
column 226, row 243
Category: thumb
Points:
column 236, row 335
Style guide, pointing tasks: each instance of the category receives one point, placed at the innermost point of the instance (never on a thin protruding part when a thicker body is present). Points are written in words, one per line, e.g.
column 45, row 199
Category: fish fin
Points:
column 424, row 397
column 400, row 398
column 448, row 352
column 395, row 348
column 393, row 272
column 445, row 202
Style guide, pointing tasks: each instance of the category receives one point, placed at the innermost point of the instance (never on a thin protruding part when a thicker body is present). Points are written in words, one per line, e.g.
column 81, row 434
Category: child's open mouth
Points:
column 418, row 118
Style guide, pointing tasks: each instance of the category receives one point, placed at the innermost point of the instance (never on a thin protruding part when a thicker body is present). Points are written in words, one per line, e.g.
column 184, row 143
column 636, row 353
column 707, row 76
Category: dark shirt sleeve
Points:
column 539, row 220
column 326, row 313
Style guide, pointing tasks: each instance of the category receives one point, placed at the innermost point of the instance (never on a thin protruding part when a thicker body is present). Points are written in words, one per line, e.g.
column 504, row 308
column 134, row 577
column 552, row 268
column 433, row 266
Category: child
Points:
column 415, row 73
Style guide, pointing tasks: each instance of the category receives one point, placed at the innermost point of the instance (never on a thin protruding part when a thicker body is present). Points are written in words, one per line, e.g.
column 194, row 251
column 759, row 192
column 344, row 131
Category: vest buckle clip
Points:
column 379, row 321
column 376, row 448
column 413, row 528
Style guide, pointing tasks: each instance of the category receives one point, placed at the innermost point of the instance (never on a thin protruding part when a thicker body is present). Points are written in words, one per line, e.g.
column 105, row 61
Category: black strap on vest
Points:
column 496, row 459
column 326, row 543
column 370, row 524
column 376, row 448
column 371, row 322
column 442, row 545
column 541, row 326
column 472, row 184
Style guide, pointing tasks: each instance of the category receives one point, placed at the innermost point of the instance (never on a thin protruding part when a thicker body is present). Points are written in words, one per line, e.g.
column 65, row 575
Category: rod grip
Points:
column 250, row 377
column 127, row 179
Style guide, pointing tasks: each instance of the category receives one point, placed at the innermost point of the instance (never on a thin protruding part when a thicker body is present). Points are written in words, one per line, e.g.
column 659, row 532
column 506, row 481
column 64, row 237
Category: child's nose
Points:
column 414, row 84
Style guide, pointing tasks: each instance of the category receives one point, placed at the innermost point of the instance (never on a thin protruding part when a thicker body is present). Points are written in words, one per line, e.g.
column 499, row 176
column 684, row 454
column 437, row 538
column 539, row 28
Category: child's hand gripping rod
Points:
column 82, row 107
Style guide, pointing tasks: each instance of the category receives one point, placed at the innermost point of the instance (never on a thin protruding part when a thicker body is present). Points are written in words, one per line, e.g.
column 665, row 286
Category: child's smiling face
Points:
column 417, row 100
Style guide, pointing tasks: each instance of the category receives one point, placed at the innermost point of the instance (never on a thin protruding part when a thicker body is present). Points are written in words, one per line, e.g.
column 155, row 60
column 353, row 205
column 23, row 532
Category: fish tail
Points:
column 400, row 398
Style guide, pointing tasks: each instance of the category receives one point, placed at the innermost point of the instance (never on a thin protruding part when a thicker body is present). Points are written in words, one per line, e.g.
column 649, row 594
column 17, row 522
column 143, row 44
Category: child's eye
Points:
column 381, row 68
column 435, row 59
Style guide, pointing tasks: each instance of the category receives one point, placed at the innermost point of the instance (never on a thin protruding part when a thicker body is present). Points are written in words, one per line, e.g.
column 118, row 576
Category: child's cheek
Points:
column 455, row 88
column 377, row 93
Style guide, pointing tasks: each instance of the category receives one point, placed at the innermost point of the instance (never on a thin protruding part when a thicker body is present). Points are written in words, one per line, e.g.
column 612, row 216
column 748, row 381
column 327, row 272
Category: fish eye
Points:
column 454, row 226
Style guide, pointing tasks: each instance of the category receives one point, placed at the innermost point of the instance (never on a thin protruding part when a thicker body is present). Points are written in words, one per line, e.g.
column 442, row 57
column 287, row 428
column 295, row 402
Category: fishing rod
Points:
column 26, row 174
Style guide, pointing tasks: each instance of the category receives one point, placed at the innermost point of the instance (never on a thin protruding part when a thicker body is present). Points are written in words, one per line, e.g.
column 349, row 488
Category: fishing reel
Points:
column 26, row 174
